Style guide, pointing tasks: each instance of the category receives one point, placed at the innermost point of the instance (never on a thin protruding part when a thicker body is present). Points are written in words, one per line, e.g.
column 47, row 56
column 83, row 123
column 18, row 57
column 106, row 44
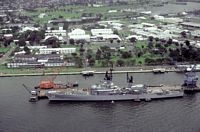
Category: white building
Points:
column 101, row 31
column 35, row 47
column 137, row 37
column 154, row 32
column 146, row 12
column 54, row 64
column 24, row 29
column 168, row 20
column 147, row 24
column 79, row 34
column 57, row 50
column 110, row 36
column 8, row 36
column 104, row 34
column 142, row 18
column 173, row 20
column 114, row 23
column 60, row 33
column 97, row 5
column 20, row 52
column 196, row 33
column 42, row 15
column 112, row 11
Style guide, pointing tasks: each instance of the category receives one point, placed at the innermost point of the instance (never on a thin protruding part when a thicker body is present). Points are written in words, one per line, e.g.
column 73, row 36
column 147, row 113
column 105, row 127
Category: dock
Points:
column 95, row 71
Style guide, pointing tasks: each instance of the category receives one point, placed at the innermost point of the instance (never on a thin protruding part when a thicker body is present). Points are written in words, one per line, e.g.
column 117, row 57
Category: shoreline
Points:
column 96, row 71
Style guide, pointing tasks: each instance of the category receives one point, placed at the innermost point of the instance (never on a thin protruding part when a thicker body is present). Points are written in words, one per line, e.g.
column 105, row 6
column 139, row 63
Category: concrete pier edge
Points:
column 79, row 73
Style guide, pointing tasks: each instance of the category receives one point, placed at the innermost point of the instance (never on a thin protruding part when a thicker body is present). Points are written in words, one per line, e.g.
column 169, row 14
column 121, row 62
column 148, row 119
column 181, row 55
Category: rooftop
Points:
column 191, row 24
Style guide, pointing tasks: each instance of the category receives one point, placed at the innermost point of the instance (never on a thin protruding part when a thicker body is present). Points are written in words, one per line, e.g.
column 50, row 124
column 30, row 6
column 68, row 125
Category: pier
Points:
column 96, row 71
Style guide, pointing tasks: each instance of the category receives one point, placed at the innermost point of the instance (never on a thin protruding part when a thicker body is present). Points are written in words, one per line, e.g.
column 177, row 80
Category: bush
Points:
column 131, row 62
column 71, row 41
column 120, row 63
column 126, row 54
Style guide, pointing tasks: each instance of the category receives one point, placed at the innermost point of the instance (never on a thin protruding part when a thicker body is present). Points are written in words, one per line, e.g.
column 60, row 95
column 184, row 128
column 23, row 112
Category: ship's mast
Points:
column 129, row 80
column 108, row 78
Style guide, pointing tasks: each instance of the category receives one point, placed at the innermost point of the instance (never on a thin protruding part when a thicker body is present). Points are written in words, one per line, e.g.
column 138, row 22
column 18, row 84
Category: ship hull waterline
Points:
column 127, row 97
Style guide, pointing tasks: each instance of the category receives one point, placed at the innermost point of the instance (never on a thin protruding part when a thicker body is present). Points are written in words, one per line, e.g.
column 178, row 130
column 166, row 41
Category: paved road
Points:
column 6, row 55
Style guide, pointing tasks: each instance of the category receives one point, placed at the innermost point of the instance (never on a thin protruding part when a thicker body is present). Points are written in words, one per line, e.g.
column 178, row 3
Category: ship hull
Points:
column 62, row 97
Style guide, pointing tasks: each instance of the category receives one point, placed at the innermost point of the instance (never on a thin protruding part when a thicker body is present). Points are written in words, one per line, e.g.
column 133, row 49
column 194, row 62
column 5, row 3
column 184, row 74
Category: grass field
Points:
column 4, row 50
column 140, row 44
column 72, row 11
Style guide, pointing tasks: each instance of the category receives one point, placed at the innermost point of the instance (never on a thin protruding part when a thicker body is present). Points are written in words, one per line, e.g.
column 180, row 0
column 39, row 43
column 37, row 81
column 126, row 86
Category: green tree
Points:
column 74, row 54
column 27, row 50
column 71, row 41
column 91, row 62
column 187, row 43
column 21, row 42
column 130, row 62
column 116, row 32
column 79, row 62
column 65, row 26
column 126, row 55
column 133, row 40
column 98, row 54
column 82, row 50
column 111, row 41
column 104, row 63
column 120, row 63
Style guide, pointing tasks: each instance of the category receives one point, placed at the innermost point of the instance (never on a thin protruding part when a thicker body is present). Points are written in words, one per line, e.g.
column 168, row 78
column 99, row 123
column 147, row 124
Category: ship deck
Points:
column 42, row 93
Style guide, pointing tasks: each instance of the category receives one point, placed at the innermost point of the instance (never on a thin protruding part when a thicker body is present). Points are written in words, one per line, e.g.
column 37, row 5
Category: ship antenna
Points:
column 127, row 77
column 129, row 80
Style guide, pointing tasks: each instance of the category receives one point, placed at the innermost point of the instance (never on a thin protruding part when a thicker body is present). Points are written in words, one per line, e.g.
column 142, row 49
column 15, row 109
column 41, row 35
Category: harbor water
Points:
column 174, row 8
column 17, row 114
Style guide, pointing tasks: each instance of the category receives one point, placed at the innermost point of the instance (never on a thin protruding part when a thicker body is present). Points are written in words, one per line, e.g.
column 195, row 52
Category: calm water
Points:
column 19, row 115
column 174, row 8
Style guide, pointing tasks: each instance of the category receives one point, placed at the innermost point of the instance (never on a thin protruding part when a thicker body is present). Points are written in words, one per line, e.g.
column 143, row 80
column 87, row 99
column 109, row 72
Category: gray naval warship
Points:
column 107, row 91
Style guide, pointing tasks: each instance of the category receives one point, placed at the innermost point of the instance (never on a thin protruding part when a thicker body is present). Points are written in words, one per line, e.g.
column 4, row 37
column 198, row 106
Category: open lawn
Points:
column 4, row 50
column 140, row 60
column 72, row 11
column 140, row 44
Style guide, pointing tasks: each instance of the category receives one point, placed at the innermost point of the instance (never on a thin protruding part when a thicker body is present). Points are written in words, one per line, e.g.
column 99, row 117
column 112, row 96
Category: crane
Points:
column 49, row 83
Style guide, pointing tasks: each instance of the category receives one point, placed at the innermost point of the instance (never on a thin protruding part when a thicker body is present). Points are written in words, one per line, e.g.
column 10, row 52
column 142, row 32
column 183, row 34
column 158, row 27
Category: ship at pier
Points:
column 107, row 91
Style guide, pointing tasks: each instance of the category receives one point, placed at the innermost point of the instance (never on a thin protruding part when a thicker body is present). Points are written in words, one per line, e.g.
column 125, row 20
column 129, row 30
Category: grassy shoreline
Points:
column 77, row 71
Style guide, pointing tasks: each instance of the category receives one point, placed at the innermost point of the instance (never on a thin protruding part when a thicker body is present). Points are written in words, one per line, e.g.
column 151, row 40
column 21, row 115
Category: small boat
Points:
column 87, row 73
column 159, row 70
column 180, row 3
column 33, row 99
